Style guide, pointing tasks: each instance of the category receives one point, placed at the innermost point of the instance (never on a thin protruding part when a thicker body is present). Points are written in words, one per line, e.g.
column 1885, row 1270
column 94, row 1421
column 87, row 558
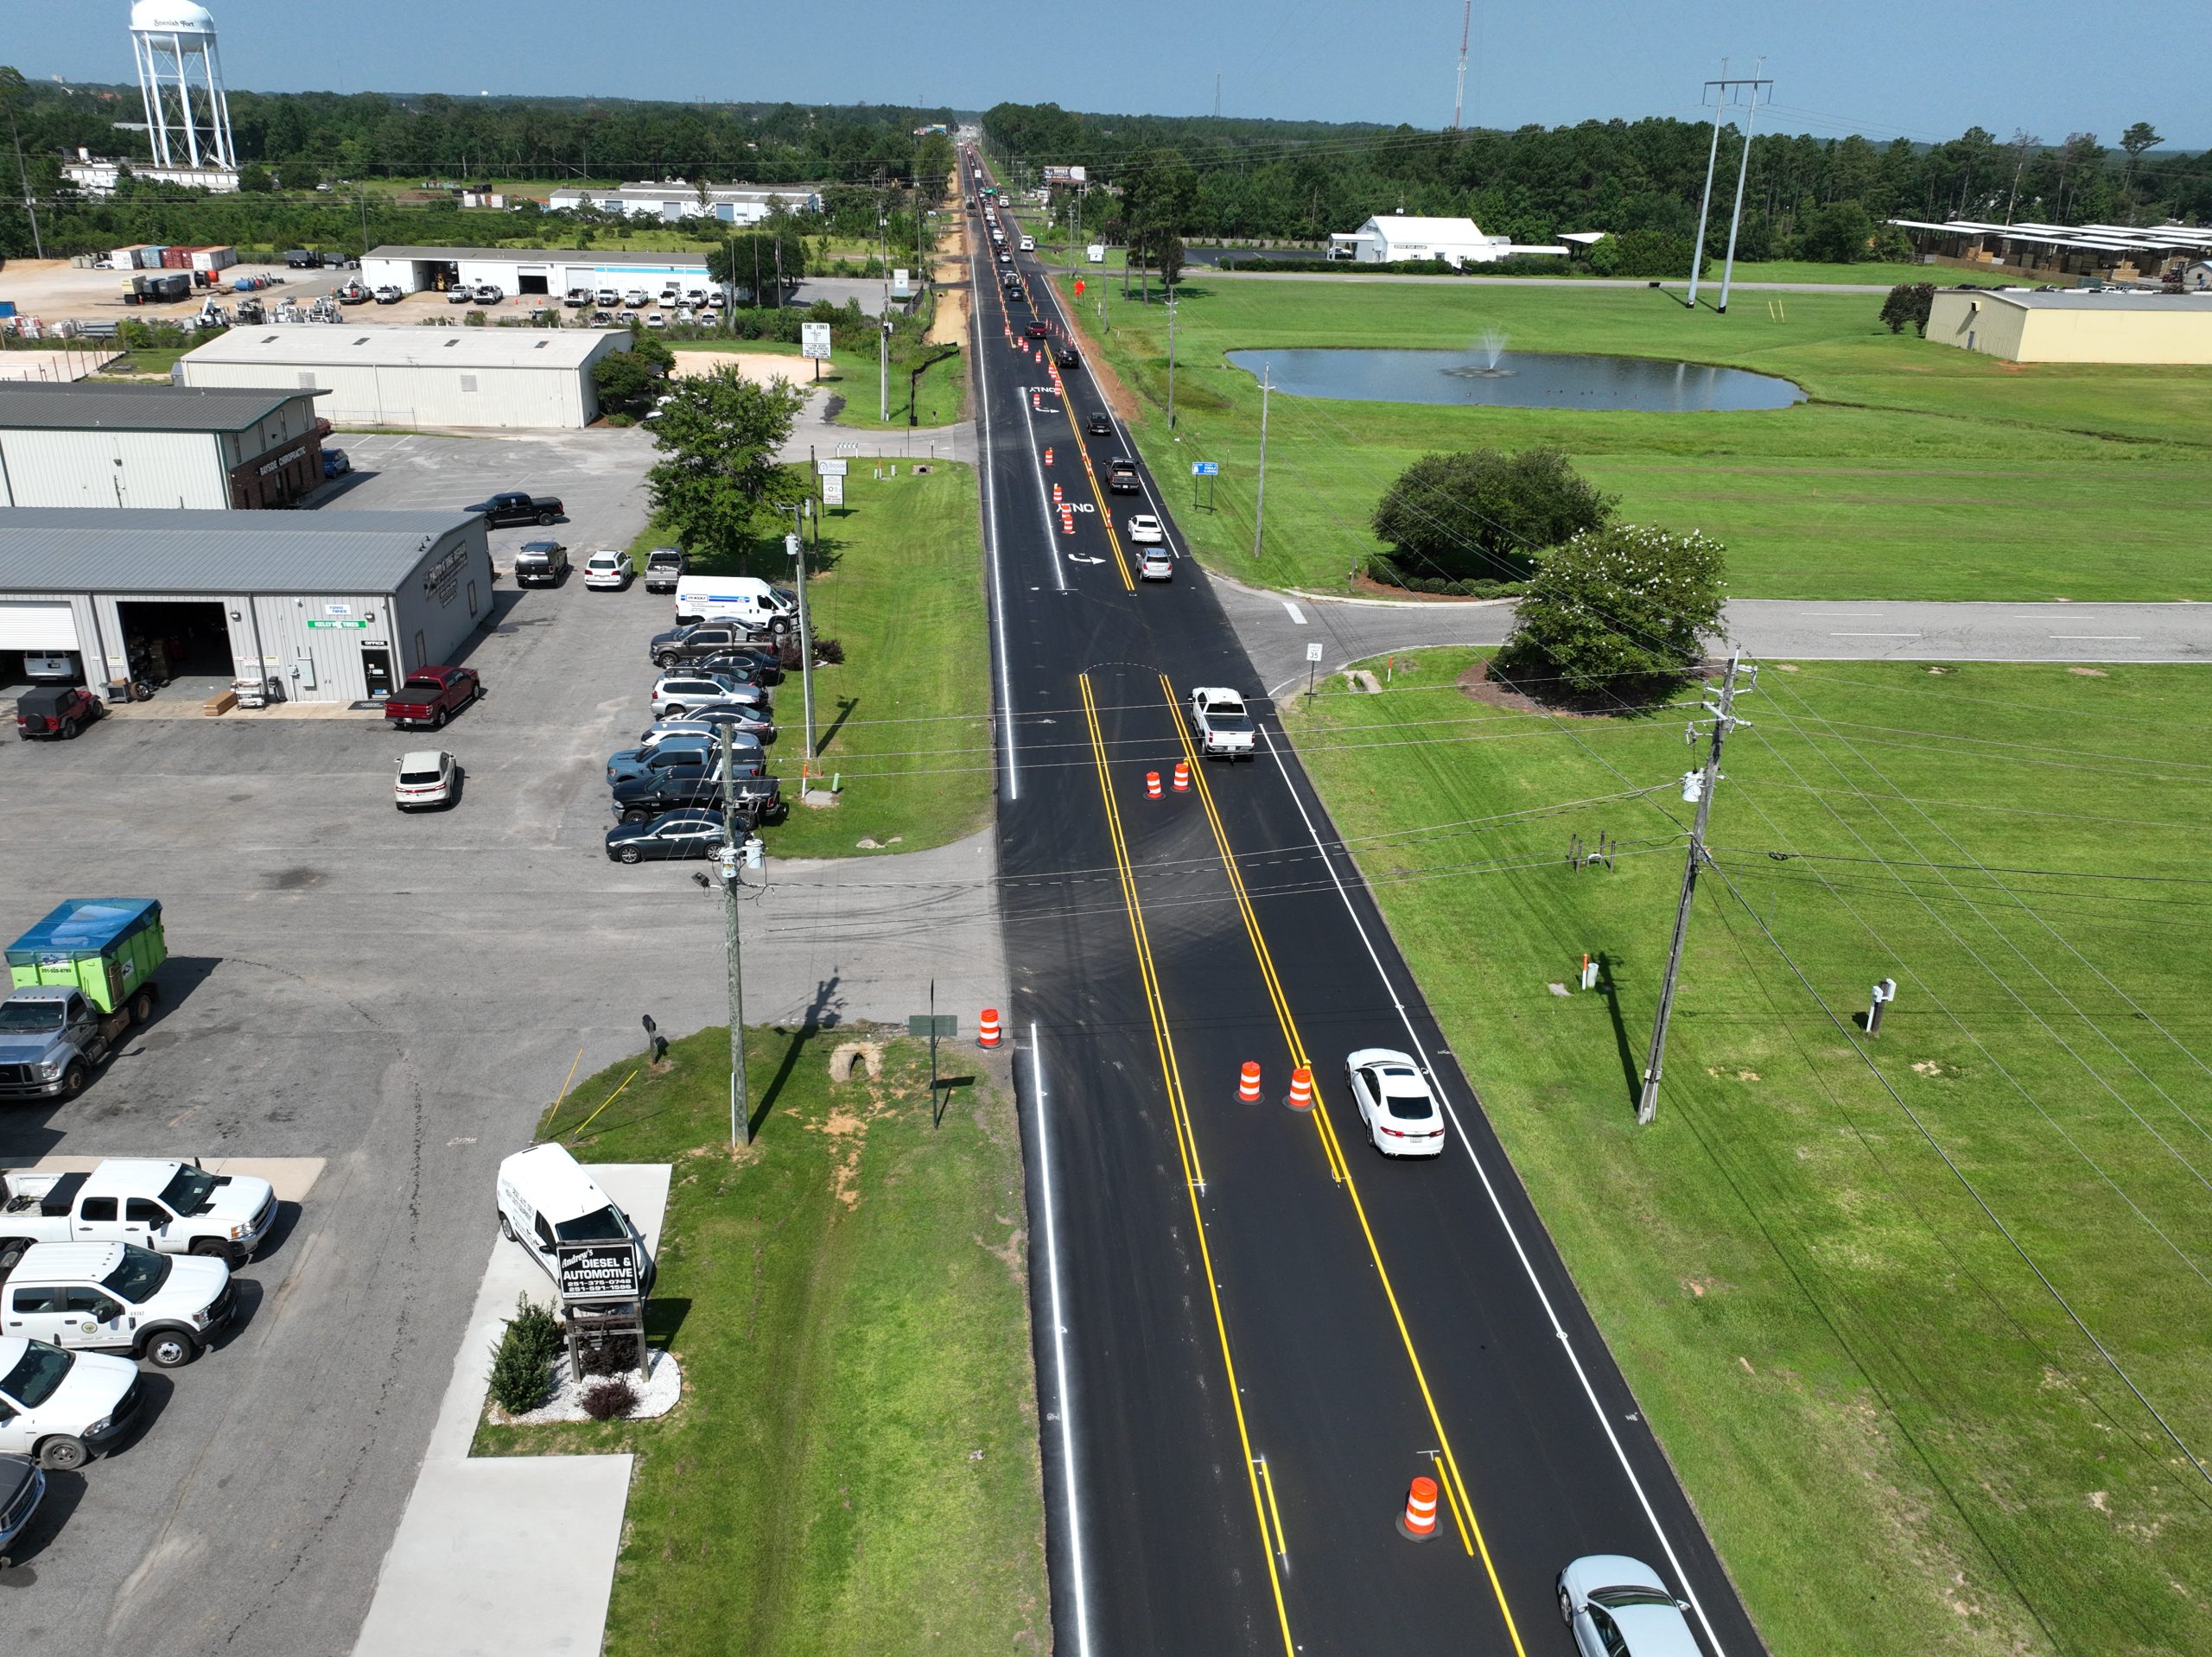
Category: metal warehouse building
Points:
column 86, row 445
column 529, row 270
column 2075, row 325
column 420, row 375
column 336, row 607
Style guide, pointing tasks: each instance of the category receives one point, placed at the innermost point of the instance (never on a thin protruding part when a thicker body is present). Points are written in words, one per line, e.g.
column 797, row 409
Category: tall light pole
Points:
column 796, row 545
column 1260, row 502
column 11, row 87
column 1171, row 372
column 740, row 1095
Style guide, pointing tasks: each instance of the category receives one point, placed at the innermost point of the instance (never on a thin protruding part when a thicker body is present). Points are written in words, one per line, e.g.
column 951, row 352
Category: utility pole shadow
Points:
column 1631, row 1075
column 820, row 1015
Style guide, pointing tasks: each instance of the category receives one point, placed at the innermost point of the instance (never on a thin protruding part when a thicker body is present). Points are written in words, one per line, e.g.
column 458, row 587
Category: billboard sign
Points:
column 814, row 340
column 599, row 1270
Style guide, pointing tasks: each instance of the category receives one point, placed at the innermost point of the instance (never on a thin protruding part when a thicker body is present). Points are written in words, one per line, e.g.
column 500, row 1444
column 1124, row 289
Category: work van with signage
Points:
column 549, row 1205
column 745, row 599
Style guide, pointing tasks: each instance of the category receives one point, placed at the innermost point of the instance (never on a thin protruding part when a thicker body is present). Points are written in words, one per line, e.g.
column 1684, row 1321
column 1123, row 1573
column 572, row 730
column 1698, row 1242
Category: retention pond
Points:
column 1493, row 377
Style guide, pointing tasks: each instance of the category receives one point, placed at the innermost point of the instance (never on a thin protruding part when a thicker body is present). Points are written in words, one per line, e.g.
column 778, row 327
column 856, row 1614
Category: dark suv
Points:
column 683, row 645
column 683, row 787
column 56, row 710
column 1099, row 424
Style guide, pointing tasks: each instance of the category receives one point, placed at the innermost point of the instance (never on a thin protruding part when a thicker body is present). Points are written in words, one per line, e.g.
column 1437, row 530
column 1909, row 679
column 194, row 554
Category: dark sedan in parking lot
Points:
column 673, row 834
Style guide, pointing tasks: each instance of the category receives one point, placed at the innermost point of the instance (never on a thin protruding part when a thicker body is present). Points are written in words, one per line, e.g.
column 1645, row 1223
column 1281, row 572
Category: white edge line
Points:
column 991, row 546
column 1297, row 615
column 1567, row 1344
column 1060, row 1352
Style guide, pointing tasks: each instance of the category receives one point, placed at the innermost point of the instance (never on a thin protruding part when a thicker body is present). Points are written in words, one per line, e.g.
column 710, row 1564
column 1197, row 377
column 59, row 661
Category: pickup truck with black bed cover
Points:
column 516, row 507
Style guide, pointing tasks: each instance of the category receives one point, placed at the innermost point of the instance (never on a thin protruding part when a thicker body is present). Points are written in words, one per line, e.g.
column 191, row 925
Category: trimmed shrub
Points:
column 605, row 1400
column 521, row 1364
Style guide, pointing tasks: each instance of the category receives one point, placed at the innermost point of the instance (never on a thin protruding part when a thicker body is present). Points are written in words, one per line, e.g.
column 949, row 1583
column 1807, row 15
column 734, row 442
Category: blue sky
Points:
column 1883, row 67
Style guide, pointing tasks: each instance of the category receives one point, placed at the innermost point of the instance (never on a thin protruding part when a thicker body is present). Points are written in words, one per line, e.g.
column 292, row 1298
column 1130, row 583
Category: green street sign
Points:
column 337, row 624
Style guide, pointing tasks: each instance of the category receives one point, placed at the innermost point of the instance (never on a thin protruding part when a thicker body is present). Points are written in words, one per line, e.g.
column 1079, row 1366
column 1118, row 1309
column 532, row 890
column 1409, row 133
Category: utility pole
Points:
column 883, row 368
column 797, row 547
column 1259, row 501
column 740, row 1095
column 1712, row 157
column 11, row 85
column 1743, row 172
column 1459, row 90
column 1170, row 371
column 1702, row 782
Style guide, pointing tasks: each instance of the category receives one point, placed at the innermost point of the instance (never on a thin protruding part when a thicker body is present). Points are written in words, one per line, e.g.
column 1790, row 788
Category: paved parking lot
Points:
column 400, row 996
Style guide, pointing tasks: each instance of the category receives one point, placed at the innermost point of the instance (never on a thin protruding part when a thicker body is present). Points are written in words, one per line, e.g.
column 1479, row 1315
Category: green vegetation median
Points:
column 1917, row 471
column 853, row 1468
column 903, row 723
column 1900, row 1441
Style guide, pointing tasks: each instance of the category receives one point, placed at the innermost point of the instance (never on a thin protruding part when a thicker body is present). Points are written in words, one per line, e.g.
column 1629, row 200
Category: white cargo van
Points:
column 546, row 1199
column 746, row 599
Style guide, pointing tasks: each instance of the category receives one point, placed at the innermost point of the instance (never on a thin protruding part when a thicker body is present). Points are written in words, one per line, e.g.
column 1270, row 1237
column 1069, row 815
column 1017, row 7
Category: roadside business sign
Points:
column 833, row 488
column 902, row 284
column 598, row 1271
column 315, row 622
column 1205, row 468
column 814, row 340
column 832, row 469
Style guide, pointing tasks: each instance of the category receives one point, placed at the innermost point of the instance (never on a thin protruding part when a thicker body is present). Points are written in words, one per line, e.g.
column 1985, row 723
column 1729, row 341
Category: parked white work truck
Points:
column 172, row 1208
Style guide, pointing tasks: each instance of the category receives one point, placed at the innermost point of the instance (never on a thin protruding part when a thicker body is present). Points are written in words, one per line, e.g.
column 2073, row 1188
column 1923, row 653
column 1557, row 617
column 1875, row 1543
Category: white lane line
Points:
column 1044, row 491
column 1296, row 614
column 2123, row 637
column 1875, row 635
column 1567, row 1342
column 991, row 548
column 1060, row 1351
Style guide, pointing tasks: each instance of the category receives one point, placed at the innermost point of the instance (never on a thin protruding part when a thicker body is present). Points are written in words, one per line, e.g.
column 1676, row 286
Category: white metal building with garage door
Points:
column 336, row 607
column 83, row 444
column 528, row 271
column 420, row 376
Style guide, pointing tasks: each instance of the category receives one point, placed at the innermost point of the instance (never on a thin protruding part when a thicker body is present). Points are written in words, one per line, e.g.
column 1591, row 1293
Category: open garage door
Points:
column 37, row 627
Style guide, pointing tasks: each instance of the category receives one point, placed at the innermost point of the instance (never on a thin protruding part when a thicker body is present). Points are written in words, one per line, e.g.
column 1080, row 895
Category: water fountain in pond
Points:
column 1493, row 348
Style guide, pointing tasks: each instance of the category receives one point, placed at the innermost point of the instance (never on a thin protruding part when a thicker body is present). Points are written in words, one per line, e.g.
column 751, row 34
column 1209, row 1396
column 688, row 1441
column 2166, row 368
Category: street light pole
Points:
column 1260, row 502
column 1171, row 366
column 797, row 546
column 741, row 1097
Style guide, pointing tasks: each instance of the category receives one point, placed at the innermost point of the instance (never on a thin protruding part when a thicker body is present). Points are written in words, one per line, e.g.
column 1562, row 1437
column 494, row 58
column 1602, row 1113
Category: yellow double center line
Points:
column 1186, row 1147
column 1455, row 1486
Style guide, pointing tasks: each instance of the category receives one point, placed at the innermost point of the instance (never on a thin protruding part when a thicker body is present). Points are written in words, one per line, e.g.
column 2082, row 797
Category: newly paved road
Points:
column 1252, row 1332
column 1275, row 629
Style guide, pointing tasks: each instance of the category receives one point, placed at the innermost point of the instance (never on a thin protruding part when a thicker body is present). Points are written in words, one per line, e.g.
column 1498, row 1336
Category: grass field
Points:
column 1900, row 1442
column 853, row 1467
column 905, row 721
column 939, row 397
column 1915, row 471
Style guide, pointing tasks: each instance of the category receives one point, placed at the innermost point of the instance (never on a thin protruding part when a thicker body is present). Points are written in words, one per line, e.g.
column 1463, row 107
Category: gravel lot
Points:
column 399, row 995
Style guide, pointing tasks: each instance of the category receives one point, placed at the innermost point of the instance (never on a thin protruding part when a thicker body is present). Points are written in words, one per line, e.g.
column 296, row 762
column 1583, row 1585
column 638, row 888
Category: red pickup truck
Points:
column 432, row 695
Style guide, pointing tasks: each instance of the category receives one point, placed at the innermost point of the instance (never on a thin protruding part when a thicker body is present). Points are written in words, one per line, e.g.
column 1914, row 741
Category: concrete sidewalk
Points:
column 501, row 1555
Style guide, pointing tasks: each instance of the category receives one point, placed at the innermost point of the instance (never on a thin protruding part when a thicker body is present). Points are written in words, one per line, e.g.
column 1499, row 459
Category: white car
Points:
column 677, row 693
column 608, row 569
column 1395, row 1103
column 1158, row 564
column 1617, row 1607
column 63, row 1408
column 120, row 1297
column 1005, row 258
column 1029, row 244
column 655, row 320
column 1145, row 531
column 426, row 777
column 1225, row 728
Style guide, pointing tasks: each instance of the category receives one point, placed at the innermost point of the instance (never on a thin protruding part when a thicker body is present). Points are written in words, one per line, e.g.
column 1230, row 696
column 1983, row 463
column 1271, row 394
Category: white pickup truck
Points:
column 63, row 1408
column 172, row 1208
column 1225, row 728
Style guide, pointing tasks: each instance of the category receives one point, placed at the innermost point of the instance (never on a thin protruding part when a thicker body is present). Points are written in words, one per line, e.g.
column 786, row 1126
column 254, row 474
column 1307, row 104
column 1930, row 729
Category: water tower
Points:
column 181, row 79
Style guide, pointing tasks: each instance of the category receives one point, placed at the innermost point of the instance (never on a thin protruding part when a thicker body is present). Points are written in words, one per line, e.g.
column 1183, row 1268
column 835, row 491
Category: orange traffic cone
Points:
column 1248, row 1084
column 1151, row 786
column 1418, row 1522
column 987, row 1034
column 1182, row 776
column 1048, row 454
column 1301, row 1089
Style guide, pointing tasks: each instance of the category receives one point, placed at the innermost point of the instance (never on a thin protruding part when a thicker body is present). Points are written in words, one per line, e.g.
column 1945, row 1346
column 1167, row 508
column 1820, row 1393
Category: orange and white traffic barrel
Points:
column 1182, row 776
column 986, row 1034
column 1301, row 1089
column 1418, row 1522
column 1247, row 1083
column 1151, row 786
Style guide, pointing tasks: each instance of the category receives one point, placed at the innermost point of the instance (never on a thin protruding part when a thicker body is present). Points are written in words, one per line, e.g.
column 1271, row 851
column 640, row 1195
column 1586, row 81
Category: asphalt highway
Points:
column 1252, row 1330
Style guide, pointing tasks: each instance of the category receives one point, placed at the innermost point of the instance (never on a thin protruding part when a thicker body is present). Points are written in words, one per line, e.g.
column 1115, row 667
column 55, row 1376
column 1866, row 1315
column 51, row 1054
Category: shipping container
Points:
column 106, row 947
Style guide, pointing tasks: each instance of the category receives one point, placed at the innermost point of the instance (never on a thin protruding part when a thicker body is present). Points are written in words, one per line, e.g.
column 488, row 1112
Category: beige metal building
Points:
column 333, row 606
column 82, row 444
column 419, row 376
column 2075, row 326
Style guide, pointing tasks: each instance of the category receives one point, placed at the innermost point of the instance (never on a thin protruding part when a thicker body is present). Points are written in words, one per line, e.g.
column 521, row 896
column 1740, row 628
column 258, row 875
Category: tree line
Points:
column 1806, row 197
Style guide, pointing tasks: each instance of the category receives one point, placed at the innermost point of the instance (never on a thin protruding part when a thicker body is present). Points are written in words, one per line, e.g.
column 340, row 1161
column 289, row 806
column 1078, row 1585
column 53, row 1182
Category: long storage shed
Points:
column 333, row 605
column 501, row 378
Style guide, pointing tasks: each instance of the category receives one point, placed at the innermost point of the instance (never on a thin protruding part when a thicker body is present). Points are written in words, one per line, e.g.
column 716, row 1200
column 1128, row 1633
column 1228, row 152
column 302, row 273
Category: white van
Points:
column 1029, row 244
column 546, row 1199
column 746, row 599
